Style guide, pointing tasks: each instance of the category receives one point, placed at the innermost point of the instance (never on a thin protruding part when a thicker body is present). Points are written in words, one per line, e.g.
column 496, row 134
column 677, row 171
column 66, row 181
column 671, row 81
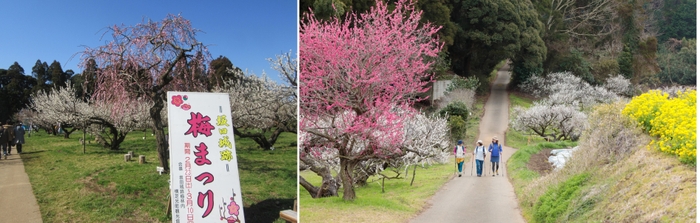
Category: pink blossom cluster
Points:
column 359, row 77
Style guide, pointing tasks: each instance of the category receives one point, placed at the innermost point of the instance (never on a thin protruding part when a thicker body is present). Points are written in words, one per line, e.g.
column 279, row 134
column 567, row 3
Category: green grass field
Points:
column 99, row 186
column 518, row 100
column 399, row 203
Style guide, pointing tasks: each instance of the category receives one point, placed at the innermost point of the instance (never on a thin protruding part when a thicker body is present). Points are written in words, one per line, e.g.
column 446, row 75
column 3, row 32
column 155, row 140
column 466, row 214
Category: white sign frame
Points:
column 204, row 179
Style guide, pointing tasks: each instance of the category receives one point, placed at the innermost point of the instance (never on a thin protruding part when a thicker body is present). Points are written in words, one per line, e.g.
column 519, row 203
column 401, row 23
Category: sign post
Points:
column 204, row 180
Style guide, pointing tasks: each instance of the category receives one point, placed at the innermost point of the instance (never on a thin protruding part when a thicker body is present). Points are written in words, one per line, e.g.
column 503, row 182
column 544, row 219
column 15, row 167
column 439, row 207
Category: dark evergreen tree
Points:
column 679, row 20
column 15, row 90
column 219, row 71
column 40, row 71
column 490, row 31
column 58, row 77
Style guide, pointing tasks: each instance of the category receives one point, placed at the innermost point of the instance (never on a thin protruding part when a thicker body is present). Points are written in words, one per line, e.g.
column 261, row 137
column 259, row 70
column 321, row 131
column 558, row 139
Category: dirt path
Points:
column 480, row 199
column 17, row 201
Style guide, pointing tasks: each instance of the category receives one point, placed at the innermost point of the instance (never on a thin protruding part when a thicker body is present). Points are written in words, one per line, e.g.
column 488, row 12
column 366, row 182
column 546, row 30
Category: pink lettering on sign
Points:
column 210, row 202
column 201, row 154
column 199, row 125
column 206, row 176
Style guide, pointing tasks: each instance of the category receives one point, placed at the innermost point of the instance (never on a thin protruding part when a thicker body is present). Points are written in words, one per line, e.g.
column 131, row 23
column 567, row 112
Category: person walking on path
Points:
column 5, row 138
column 18, row 203
column 19, row 137
column 479, row 154
column 496, row 151
column 459, row 156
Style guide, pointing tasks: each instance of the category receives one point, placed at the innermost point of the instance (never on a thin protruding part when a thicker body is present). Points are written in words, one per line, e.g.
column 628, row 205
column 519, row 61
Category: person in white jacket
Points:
column 479, row 154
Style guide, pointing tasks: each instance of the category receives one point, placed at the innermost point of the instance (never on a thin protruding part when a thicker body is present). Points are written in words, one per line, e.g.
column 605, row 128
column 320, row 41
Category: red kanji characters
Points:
column 201, row 154
column 210, row 202
column 199, row 125
column 206, row 175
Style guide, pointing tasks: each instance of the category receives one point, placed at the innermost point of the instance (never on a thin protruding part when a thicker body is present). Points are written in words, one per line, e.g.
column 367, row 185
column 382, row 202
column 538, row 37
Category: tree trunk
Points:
column 346, row 169
column 414, row 174
column 329, row 187
column 259, row 138
column 383, row 184
column 329, row 184
column 161, row 142
column 84, row 140
column 66, row 133
column 361, row 180
column 117, row 140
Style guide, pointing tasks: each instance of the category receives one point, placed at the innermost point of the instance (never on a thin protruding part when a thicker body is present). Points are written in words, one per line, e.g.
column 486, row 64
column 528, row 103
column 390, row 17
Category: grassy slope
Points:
column 100, row 187
column 647, row 186
column 399, row 203
column 521, row 176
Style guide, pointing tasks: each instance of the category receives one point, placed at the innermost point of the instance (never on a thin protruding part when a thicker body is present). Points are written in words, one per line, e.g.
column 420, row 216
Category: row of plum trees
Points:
column 261, row 109
column 131, row 73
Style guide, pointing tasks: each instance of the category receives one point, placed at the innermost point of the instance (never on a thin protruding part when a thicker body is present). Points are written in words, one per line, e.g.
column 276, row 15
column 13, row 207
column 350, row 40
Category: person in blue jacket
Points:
column 496, row 151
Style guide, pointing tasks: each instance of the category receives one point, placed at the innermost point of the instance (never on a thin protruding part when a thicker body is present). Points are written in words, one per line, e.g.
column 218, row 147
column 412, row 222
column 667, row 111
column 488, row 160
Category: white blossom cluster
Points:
column 286, row 65
column 618, row 85
column 559, row 115
column 425, row 142
column 260, row 103
column 60, row 106
column 563, row 122
column 674, row 91
column 568, row 89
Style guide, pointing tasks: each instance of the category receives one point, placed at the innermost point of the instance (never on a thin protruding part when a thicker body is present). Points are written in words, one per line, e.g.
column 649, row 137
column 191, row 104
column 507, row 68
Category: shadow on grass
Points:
column 267, row 210
column 33, row 152
column 28, row 156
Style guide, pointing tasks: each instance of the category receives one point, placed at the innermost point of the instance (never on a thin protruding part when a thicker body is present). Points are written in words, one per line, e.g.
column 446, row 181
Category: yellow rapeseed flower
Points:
column 672, row 120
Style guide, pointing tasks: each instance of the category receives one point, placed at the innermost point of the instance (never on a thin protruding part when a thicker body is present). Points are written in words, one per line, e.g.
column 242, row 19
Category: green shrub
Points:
column 456, row 108
column 458, row 128
column 554, row 203
column 605, row 68
column 458, row 116
column 676, row 60
column 471, row 83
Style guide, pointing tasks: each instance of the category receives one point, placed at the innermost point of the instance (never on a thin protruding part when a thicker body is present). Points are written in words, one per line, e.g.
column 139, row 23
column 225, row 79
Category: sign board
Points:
column 204, row 180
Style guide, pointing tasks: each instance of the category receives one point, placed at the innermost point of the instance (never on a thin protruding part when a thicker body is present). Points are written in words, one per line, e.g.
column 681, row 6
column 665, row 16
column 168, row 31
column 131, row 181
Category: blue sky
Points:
column 247, row 32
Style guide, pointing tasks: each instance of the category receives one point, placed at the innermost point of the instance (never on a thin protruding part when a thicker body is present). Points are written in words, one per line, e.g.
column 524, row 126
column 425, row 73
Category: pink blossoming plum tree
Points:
column 143, row 62
column 360, row 75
